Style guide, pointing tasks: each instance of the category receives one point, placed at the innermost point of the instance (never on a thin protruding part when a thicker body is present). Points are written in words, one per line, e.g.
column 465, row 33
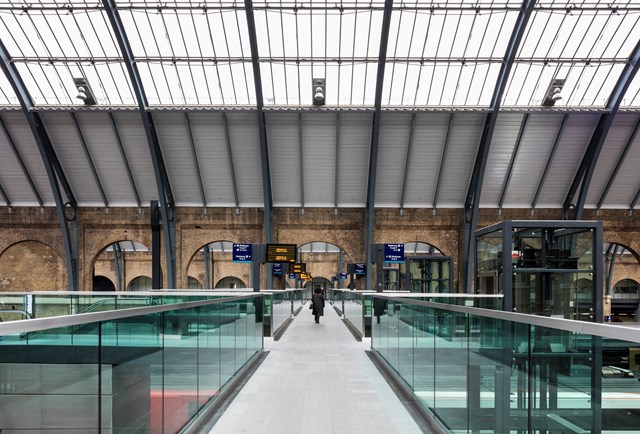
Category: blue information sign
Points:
column 394, row 253
column 359, row 268
column 242, row 253
column 292, row 275
column 277, row 268
column 343, row 275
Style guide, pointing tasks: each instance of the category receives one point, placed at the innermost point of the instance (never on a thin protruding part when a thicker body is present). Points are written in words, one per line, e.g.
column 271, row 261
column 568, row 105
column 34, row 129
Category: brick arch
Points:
column 347, row 258
column 634, row 251
column 50, row 237
column 31, row 265
column 92, row 252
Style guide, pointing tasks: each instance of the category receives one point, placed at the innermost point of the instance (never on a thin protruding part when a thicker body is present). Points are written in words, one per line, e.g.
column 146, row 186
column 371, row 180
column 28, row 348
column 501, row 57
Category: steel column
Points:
column 590, row 158
column 375, row 136
column 165, row 196
column 472, row 201
column 262, row 130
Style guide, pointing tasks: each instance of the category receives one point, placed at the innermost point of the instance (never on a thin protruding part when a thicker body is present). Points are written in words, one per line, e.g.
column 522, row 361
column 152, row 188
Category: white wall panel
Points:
column 28, row 148
column 614, row 144
column 529, row 165
column 213, row 157
column 136, row 148
column 173, row 136
column 429, row 137
column 503, row 142
column 111, row 169
column 355, row 141
column 12, row 178
column 319, row 158
column 571, row 147
column 461, row 154
column 245, row 145
column 284, row 157
column 392, row 155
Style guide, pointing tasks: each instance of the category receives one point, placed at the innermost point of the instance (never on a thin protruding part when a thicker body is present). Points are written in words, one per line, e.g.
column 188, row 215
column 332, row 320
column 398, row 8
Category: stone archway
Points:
column 32, row 266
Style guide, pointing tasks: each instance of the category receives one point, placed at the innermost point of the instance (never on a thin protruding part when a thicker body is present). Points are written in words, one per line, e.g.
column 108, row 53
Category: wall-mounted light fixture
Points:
column 84, row 91
column 554, row 92
column 318, row 91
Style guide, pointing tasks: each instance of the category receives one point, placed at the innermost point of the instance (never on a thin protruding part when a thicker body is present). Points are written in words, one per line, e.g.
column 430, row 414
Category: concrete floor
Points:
column 317, row 379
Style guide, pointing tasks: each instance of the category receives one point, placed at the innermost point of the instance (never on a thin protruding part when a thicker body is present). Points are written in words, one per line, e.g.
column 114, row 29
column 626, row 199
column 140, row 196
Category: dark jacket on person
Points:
column 318, row 304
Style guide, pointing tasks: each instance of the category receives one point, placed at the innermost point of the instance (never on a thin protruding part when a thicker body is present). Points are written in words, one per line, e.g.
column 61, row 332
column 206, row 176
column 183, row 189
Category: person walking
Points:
column 317, row 303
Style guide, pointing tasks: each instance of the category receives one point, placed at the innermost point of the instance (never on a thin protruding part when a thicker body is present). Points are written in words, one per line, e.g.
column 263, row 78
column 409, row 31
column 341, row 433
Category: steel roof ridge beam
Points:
column 590, row 158
column 167, row 204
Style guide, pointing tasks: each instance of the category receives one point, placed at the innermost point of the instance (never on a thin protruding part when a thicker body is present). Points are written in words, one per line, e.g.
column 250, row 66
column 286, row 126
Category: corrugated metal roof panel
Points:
column 101, row 142
column 28, row 148
column 319, row 158
column 627, row 182
column 213, row 157
column 284, row 157
column 461, row 154
column 535, row 148
column 245, row 146
column 12, row 178
column 501, row 149
column 173, row 136
column 571, row 148
column 355, row 141
column 429, row 138
column 392, row 156
column 136, row 148
column 618, row 136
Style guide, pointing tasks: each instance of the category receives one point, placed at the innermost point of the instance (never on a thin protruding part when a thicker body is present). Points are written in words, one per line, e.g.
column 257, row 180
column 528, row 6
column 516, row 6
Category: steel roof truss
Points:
column 195, row 159
column 442, row 162
column 337, row 165
column 230, row 157
column 116, row 133
column 301, row 157
column 547, row 166
column 375, row 134
column 472, row 202
column 167, row 205
column 406, row 162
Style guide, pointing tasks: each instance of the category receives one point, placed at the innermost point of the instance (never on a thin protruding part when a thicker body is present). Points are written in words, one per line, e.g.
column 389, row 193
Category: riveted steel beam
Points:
column 54, row 170
column 165, row 196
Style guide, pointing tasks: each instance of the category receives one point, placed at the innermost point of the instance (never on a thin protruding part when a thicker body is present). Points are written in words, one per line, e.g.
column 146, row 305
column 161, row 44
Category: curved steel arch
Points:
column 167, row 204
column 54, row 169
column 472, row 202
column 375, row 135
column 590, row 157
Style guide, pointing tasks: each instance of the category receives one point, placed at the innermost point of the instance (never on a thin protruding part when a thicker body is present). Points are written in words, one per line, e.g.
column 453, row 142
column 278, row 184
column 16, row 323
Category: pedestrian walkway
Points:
column 317, row 379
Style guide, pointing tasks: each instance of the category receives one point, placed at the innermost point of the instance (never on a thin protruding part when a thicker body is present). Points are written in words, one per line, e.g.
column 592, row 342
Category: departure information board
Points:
column 281, row 252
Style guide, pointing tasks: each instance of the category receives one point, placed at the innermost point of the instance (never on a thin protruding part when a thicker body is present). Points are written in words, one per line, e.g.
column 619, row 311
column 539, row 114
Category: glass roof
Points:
column 439, row 54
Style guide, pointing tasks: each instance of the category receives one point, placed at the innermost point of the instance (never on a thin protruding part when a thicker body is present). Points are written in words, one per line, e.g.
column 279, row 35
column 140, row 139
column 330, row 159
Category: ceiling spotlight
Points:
column 553, row 92
column 318, row 91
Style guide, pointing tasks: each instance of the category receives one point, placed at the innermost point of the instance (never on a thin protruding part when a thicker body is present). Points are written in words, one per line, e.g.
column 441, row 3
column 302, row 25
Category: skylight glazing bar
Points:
column 286, row 82
column 493, row 50
column 464, row 54
column 475, row 65
column 244, row 66
column 406, row 74
column 621, row 159
column 339, row 57
column 424, row 47
column 23, row 167
column 353, row 53
column 186, row 50
column 213, row 46
column 204, row 71
column 273, row 86
column 169, row 87
column 395, row 54
column 446, row 74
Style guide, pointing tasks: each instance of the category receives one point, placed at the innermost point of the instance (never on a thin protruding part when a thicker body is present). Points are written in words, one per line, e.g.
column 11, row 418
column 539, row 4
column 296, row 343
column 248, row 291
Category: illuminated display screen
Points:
column 299, row 267
column 281, row 252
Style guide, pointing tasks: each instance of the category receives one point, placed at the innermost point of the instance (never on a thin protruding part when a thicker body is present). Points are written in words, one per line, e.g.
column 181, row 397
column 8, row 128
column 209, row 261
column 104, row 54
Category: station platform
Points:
column 316, row 379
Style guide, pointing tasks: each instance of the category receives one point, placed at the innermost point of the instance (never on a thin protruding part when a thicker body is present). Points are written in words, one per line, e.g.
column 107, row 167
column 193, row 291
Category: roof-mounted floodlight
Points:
column 554, row 92
column 84, row 91
column 318, row 91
